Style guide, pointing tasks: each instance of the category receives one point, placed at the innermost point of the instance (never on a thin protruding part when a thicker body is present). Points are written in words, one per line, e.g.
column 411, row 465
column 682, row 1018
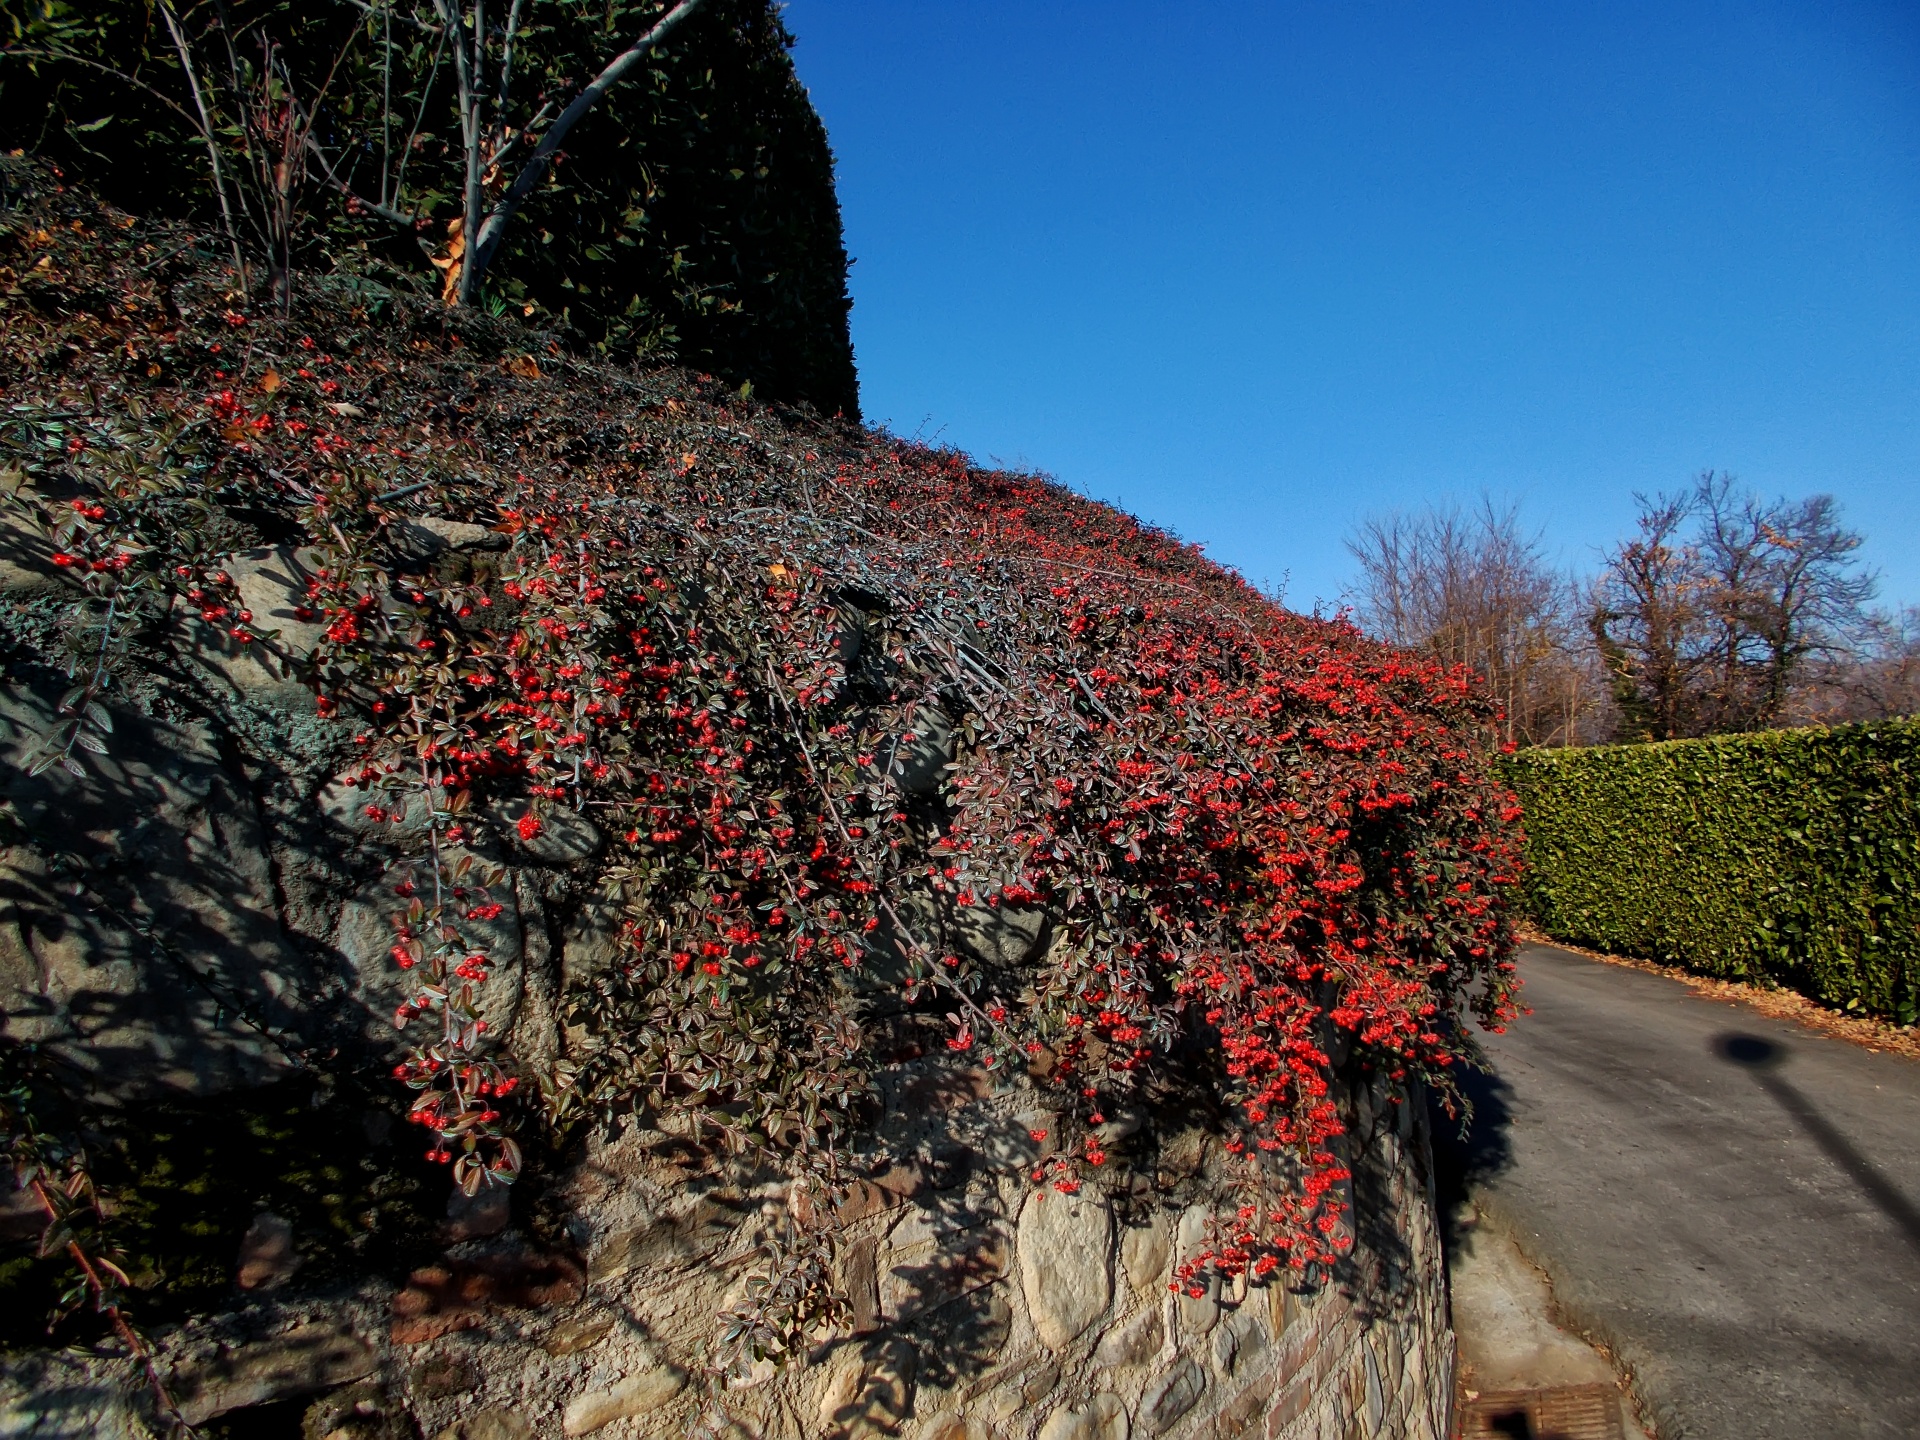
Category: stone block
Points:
column 884, row 1190
column 1144, row 1253
column 120, row 981
column 1290, row 1404
column 1245, row 1414
column 1005, row 936
column 920, row 760
column 926, row 1265
column 591, row 941
column 1195, row 1315
column 638, row 1394
column 26, row 552
column 1010, row 1144
column 575, row 1334
column 1133, row 1341
column 268, row 1256
column 1225, row 1346
column 1104, row 1417
column 359, row 806
column 657, row 1243
column 428, row 536
column 1064, row 1245
column 1375, row 1395
column 364, row 935
column 304, row 1361
column 1251, row 1344
column 874, row 1394
column 550, row 833
column 272, row 586
column 1040, row 1384
column 1172, row 1395
column 1281, row 1307
column 859, row 1277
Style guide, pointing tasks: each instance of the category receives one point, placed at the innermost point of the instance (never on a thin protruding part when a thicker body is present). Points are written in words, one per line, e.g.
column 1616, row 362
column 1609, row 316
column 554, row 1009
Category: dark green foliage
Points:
column 720, row 156
column 1785, row 857
column 692, row 215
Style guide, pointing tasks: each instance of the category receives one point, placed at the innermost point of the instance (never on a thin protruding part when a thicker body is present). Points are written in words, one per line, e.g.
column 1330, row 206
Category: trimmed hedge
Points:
column 1787, row 856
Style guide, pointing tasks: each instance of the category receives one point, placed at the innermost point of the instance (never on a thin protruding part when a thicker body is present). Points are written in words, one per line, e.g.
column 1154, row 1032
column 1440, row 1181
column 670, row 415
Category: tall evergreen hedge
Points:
column 1787, row 856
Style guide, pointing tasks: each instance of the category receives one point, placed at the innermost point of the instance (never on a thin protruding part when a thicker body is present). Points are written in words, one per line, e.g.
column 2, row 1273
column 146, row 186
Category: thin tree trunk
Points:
column 481, row 248
column 458, row 286
column 206, row 134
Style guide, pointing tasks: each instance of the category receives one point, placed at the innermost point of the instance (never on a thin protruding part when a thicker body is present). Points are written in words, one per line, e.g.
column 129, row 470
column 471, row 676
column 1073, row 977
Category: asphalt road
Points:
column 1730, row 1202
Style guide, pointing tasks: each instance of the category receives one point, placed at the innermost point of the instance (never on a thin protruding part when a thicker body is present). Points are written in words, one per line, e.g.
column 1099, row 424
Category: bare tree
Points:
column 1646, row 623
column 1472, row 588
column 1811, row 601
column 1711, row 629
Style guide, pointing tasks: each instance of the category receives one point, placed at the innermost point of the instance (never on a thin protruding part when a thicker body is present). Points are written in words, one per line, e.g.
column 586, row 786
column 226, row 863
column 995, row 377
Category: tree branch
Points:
column 386, row 12
column 506, row 58
column 372, row 207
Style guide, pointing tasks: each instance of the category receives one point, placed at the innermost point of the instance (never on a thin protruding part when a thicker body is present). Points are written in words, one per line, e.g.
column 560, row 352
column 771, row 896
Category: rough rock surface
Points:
column 639, row 1394
column 272, row 583
column 145, row 916
column 365, row 938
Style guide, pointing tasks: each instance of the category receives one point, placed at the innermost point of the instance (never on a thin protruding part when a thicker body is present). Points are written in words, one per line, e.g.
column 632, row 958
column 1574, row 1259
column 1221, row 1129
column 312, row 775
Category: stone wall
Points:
column 984, row 1309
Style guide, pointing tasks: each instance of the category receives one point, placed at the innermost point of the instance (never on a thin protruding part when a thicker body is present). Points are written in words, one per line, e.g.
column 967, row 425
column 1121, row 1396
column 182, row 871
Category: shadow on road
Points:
column 1469, row 1148
column 1762, row 1059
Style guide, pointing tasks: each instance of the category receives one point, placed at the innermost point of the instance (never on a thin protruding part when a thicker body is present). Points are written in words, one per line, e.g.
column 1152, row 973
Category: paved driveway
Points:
column 1731, row 1202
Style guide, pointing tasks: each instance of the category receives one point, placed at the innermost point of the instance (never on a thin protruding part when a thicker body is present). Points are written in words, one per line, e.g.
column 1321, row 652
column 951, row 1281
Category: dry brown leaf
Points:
column 270, row 381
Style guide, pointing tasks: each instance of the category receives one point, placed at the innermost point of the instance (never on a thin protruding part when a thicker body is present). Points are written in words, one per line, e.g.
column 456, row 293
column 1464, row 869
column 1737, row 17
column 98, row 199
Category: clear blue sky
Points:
column 1254, row 271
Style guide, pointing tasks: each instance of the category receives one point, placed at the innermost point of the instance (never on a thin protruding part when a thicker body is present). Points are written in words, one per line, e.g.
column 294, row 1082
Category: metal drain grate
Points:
column 1570, row 1412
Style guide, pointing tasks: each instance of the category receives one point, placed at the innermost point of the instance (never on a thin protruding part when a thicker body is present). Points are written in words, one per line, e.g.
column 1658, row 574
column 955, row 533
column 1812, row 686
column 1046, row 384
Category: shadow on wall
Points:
column 1470, row 1148
column 1764, row 1059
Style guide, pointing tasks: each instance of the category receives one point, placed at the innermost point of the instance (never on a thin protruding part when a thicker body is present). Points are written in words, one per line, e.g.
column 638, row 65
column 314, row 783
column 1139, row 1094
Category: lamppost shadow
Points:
column 1762, row 1059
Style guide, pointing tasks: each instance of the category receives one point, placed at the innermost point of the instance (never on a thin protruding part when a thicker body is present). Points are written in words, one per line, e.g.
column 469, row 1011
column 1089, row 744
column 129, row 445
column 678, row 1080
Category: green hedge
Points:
column 1787, row 856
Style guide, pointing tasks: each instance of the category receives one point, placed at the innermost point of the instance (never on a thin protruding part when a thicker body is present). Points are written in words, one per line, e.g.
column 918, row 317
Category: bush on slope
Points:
column 852, row 711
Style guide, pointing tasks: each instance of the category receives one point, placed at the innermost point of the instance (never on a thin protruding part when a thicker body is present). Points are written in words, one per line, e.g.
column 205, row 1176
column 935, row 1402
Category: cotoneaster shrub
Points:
column 1260, row 839
column 1786, row 857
